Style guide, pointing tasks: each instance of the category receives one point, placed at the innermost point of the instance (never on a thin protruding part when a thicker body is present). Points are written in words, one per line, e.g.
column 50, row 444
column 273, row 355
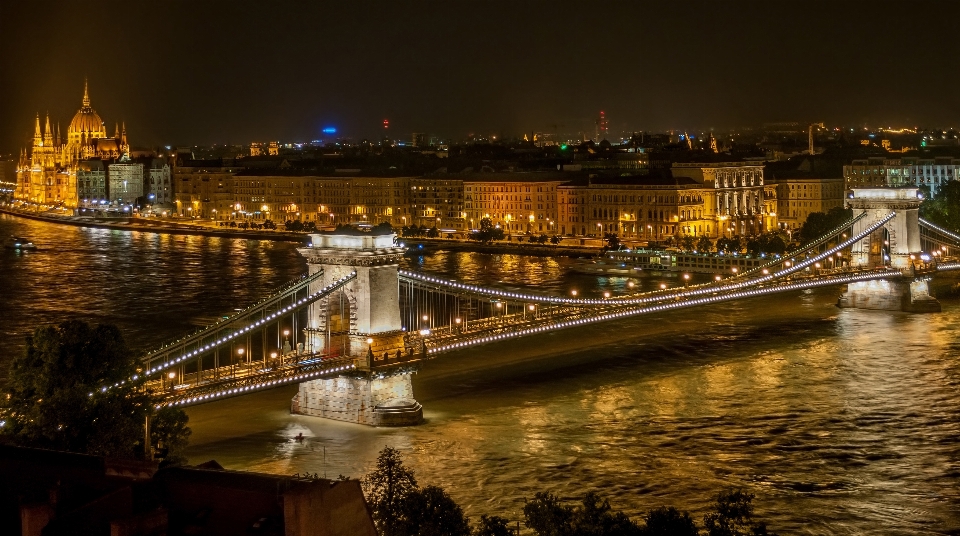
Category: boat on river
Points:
column 20, row 244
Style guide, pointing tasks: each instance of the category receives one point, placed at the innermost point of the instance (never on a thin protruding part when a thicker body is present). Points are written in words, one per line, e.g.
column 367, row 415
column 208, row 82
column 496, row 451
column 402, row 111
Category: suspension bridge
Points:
column 352, row 330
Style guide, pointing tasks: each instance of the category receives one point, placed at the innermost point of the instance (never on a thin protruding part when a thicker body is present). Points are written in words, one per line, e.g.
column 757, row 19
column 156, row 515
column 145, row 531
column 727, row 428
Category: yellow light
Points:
column 369, row 340
column 172, row 375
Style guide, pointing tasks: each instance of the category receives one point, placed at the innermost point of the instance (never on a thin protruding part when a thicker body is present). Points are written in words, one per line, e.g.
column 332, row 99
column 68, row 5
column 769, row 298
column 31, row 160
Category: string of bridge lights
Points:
column 655, row 296
column 925, row 223
column 310, row 298
column 816, row 243
column 294, row 286
column 258, row 386
column 316, row 295
column 667, row 307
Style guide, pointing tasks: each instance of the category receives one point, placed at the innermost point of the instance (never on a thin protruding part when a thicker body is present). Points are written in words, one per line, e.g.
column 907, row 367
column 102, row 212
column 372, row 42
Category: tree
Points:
column 943, row 209
column 169, row 432
column 382, row 228
column 56, row 397
column 612, row 240
column 733, row 516
column 704, row 244
column 387, row 487
column 487, row 232
column 492, row 526
column 547, row 516
column 431, row 512
column 818, row 224
column 688, row 242
column 666, row 521
column 555, row 240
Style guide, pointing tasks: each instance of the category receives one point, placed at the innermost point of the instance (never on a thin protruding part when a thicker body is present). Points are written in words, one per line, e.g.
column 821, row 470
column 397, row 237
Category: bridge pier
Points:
column 364, row 398
column 890, row 295
column 363, row 322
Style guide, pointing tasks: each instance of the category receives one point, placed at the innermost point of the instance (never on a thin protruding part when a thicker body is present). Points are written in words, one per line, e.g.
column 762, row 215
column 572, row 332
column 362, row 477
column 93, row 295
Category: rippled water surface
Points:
column 841, row 421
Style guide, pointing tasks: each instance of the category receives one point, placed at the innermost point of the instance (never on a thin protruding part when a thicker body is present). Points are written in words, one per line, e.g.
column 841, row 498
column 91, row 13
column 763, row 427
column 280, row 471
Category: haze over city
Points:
column 231, row 72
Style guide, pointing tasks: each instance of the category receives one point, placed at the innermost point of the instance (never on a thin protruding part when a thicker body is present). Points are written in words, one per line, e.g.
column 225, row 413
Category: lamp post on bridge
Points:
column 239, row 360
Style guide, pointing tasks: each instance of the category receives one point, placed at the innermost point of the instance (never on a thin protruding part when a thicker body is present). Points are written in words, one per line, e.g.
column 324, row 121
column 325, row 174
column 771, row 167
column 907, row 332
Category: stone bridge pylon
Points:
column 895, row 244
column 362, row 321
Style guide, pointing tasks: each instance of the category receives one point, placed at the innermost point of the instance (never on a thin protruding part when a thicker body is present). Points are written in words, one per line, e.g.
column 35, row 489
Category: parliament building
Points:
column 48, row 175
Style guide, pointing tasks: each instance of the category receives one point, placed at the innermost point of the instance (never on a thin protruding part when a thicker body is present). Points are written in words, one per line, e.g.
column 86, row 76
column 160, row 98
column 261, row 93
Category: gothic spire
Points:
column 116, row 130
column 47, row 133
column 86, row 93
column 36, row 131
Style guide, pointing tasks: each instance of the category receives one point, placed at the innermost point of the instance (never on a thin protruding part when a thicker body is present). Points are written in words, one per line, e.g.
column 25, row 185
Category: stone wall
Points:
column 370, row 400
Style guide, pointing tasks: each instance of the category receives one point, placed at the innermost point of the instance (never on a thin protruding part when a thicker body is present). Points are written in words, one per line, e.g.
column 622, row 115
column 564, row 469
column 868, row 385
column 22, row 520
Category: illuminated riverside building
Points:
column 517, row 202
column 798, row 197
column 906, row 171
column 643, row 208
column 737, row 198
column 49, row 174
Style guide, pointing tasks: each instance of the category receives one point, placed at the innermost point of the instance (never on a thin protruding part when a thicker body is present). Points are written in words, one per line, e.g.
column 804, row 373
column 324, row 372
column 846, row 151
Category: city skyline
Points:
column 233, row 72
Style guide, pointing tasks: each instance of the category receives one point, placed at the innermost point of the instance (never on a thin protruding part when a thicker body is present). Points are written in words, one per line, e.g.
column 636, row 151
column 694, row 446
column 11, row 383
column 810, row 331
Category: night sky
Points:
column 201, row 72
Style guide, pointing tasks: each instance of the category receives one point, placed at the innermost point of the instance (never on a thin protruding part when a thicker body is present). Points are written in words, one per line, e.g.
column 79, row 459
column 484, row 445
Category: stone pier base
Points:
column 371, row 400
column 908, row 296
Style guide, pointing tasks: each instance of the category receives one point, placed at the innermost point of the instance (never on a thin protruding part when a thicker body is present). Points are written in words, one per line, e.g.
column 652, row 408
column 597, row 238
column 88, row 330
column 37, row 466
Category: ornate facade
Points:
column 48, row 175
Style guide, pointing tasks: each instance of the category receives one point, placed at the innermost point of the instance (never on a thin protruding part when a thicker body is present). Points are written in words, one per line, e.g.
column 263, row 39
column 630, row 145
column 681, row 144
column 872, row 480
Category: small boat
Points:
column 20, row 244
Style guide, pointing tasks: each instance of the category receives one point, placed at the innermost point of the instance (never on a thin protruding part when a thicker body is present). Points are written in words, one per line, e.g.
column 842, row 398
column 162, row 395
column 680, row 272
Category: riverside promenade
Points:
column 181, row 227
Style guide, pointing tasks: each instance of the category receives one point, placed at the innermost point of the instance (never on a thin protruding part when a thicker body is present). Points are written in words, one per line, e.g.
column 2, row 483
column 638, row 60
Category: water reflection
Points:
column 841, row 421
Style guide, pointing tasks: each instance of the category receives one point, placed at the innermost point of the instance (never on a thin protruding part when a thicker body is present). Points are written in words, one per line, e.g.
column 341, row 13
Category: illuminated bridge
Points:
column 352, row 331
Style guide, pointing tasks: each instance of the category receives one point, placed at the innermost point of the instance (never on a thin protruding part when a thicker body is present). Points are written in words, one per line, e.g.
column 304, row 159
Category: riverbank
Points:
column 426, row 246
column 515, row 248
column 155, row 225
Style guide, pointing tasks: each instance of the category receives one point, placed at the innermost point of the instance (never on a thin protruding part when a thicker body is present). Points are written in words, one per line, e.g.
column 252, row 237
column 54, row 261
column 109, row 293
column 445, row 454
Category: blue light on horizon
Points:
column 330, row 130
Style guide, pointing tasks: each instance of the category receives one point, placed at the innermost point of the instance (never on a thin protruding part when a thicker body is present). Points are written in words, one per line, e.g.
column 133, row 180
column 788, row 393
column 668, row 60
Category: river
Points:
column 840, row 421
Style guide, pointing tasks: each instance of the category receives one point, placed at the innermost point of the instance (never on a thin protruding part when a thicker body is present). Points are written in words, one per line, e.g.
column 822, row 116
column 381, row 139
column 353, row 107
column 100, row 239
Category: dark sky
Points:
column 206, row 71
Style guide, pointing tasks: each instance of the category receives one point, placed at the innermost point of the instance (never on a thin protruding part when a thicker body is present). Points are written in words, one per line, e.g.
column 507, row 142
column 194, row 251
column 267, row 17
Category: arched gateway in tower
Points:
column 361, row 320
column 896, row 244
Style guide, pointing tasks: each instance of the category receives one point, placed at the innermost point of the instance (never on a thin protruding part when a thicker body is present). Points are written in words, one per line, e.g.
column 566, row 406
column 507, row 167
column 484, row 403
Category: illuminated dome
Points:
column 85, row 122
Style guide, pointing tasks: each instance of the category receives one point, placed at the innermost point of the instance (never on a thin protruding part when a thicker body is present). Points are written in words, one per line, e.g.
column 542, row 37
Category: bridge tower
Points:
column 362, row 321
column 896, row 244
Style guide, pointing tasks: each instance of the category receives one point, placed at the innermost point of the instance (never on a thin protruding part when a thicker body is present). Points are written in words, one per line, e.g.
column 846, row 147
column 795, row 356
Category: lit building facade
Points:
column 518, row 202
column 92, row 183
column 125, row 182
column 738, row 195
column 642, row 208
column 48, row 175
column 901, row 172
column 799, row 197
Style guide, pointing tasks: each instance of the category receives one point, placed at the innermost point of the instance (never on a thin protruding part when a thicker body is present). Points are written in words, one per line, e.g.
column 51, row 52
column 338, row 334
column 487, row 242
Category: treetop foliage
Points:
column 55, row 397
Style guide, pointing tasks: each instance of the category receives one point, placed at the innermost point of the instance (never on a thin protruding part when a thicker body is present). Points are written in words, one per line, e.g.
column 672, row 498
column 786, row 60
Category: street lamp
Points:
column 573, row 293
column 686, row 279
column 286, row 340
column 240, row 354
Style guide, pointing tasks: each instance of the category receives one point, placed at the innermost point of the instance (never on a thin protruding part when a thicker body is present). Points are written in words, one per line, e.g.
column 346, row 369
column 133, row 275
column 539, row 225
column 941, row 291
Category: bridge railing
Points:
column 188, row 352
column 803, row 250
column 506, row 331
column 285, row 292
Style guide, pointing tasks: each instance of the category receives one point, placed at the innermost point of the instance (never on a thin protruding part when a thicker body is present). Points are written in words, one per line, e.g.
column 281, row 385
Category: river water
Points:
column 840, row 421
